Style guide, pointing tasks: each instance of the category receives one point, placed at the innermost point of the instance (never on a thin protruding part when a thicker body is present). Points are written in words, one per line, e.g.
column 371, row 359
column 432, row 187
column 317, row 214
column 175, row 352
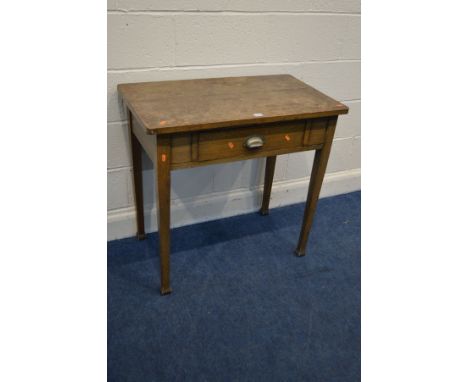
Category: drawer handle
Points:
column 254, row 142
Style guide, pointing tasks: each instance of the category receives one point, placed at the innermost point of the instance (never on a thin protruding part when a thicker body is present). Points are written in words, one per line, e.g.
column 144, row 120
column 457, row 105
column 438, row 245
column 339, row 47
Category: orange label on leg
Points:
column 163, row 157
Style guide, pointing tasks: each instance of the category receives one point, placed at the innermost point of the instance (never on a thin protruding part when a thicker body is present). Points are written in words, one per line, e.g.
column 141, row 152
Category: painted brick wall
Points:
column 316, row 41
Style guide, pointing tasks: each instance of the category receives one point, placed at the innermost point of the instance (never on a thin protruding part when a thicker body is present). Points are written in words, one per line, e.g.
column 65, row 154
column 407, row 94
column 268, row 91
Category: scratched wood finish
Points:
column 192, row 105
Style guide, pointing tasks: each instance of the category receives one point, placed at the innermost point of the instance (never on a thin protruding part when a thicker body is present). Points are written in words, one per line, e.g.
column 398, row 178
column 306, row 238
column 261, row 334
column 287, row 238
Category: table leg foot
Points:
column 165, row 291
column 264, row 212
column 141, row 236
column 299, row 254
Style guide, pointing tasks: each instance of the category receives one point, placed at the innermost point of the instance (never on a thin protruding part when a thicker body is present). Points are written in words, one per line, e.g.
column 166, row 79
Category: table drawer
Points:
column 252, row 140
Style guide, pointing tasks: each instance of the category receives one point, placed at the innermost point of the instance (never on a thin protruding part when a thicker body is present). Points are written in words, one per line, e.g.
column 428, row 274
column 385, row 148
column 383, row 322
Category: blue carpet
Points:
column 244, row 307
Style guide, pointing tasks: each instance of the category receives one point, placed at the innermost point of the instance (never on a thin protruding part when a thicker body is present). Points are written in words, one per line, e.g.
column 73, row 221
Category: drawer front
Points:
column 252, row 140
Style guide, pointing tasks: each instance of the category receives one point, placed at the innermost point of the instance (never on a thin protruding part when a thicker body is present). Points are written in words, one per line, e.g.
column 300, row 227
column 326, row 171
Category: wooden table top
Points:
column 189, row 105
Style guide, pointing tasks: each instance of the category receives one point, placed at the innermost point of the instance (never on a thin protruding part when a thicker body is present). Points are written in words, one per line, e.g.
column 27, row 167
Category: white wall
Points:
column 316, row 41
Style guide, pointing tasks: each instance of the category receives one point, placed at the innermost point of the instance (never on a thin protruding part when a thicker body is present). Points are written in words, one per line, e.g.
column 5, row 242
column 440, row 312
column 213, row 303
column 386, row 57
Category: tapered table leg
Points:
column 137, row 179
column 315, row 184
column 269, row 174
column 163, row 176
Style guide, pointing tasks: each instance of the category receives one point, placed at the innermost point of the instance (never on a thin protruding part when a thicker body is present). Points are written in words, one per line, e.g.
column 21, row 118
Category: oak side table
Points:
column 190, row 123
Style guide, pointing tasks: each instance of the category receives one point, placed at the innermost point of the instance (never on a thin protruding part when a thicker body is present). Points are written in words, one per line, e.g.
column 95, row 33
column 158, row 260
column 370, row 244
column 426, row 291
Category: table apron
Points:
column 201, row 148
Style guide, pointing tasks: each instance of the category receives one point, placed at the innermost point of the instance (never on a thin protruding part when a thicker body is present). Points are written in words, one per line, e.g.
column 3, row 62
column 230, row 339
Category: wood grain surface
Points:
column 192, row 105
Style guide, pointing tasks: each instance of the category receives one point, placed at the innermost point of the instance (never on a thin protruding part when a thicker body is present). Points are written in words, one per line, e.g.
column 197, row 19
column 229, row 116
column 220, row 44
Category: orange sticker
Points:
column 162, row 122
column 287, row 137
column 163, row 157
column 231, row 145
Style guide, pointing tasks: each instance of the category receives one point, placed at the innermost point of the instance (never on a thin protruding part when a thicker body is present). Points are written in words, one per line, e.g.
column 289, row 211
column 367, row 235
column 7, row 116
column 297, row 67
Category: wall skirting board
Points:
column 121, row 222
